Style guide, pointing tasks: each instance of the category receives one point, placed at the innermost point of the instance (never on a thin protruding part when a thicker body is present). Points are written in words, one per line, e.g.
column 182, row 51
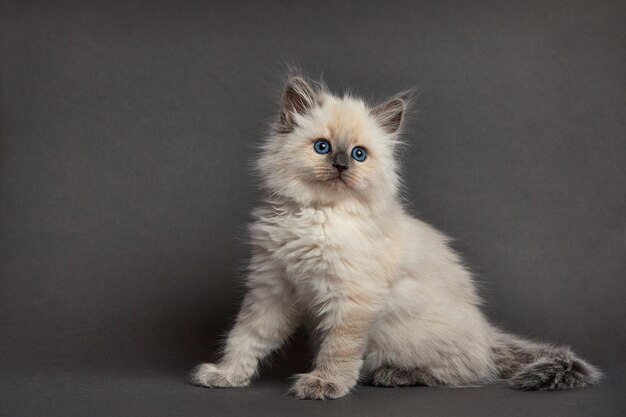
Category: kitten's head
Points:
column 325, row 149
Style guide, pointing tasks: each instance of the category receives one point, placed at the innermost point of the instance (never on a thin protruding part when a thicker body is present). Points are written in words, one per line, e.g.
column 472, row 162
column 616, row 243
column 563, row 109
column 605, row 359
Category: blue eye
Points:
column 322, row 146
column 359, row 154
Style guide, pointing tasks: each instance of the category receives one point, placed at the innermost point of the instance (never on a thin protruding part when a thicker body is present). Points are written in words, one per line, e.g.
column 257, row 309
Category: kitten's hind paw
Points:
column 315, row 387
column 391, row 376
column 211, row 376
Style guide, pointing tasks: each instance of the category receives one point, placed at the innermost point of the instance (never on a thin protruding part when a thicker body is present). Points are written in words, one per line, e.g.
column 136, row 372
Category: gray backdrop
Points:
column 126, row 132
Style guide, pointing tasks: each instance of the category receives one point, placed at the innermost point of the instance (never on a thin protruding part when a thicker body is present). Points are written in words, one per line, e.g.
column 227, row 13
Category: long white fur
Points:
column 378, row 286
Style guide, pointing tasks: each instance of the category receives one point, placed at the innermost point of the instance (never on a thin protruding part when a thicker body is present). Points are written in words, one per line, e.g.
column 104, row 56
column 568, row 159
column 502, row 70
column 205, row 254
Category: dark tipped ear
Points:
column 391, row 113
column 298, row 98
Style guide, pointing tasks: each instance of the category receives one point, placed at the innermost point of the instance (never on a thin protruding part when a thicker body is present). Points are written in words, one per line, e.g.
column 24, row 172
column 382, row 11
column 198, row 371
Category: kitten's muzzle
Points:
column 341, row 161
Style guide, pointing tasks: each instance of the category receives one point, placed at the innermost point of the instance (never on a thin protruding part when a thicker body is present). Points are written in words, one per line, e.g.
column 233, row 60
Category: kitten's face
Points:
column 329, row 149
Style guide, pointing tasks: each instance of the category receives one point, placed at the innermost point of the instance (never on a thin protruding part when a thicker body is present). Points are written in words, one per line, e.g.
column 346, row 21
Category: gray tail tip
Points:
column 563, row 371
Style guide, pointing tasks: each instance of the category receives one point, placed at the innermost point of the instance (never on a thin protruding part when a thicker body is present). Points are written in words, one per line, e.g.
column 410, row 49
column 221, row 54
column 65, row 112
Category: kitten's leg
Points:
column 343, row 334
column 266, row 319
column 391, row 376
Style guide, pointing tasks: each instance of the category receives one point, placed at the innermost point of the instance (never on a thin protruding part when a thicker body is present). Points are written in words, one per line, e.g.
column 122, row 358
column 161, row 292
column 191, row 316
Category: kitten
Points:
column 391, row 303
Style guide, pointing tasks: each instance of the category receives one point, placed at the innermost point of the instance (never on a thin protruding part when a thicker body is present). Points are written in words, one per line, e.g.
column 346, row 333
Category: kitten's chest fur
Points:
column 321, row 249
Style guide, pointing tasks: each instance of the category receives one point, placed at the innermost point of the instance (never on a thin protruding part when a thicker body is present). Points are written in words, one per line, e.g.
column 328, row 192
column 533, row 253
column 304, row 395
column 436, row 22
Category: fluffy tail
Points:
column 535, row 366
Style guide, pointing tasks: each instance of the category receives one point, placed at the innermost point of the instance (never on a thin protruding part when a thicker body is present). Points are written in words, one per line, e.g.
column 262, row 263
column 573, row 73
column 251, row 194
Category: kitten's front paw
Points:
column 314, row 386
column 210, row 375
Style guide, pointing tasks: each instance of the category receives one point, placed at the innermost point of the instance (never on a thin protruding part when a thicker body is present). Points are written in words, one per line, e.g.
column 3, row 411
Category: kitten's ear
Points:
column 391, row 113
column 298, row 98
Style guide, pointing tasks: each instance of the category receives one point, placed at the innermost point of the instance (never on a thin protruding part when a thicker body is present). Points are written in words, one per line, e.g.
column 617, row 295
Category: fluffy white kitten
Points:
column 332, row 247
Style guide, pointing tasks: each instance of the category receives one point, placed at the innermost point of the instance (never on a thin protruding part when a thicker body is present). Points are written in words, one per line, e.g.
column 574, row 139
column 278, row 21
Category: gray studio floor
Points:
column 150, row 393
